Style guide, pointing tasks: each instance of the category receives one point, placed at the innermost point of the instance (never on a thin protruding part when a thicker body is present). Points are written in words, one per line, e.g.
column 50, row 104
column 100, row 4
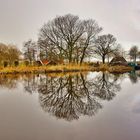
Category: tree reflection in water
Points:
column 69, row 96
column 9, row 81
column 105, row 88
column 31, row 83
column 133, row 77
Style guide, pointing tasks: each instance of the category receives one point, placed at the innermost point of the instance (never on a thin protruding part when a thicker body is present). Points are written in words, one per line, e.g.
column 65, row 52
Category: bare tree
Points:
column 139, row 55
column 105, row 45
column 91, row 31
column 68, row 36
column 30, row 50
column 13, row 54
column 133, row 52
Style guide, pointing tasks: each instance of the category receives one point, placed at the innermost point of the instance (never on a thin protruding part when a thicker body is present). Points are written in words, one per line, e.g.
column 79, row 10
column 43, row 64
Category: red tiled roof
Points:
column 45, row 62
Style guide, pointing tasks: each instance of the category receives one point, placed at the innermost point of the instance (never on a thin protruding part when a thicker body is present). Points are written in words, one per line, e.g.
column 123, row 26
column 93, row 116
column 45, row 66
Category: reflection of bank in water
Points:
column 138, row 73
column 9, row 81
column 133, row 76
column 136, row 66
column 62, row 74
column 69, row 97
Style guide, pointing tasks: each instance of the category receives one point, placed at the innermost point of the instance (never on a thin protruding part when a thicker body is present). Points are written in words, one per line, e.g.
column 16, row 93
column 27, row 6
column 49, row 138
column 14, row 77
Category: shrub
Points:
column 5, row 63
column 16, row 63
column 26, row 63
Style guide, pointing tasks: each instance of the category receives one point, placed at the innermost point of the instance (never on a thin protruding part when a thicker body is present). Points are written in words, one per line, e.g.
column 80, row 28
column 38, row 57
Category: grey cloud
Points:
column 21, row 19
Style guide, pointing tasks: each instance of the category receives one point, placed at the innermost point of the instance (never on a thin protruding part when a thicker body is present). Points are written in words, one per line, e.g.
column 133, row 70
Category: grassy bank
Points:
column 113, row 69
column 63, row 68
column 120, row 69
column 45, row 69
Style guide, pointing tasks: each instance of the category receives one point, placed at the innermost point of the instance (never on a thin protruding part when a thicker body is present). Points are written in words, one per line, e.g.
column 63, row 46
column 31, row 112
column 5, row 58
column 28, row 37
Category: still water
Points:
column 71, row 106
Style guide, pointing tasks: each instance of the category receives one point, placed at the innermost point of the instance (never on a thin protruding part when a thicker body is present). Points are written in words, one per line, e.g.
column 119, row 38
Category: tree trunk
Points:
column 82, row 58
column 135, row 58
column 108, row 58
column 83, row 55
column 103, row 59
column 70, row 59
column 70, row 53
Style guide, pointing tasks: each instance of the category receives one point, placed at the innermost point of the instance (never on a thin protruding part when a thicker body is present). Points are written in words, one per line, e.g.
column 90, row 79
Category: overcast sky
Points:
column 21, row 20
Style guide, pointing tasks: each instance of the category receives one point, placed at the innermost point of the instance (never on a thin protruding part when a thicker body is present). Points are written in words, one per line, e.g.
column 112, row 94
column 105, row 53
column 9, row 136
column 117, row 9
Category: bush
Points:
column 16, row 63
column 5, row 63
column 26, row 63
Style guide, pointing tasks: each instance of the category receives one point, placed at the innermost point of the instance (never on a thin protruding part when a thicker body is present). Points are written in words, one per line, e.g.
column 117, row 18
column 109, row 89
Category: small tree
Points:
column 133, row 52
column 30, row 50
column 16, row 63
column 9, row 53
column 26, row 63
column 13, row 54
column 139, row 55
column 5, row 63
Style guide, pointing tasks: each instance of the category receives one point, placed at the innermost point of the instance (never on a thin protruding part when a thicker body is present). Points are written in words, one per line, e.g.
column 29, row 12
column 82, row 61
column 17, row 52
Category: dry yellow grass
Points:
column 43, row 69
column 113, row 69
column 63, row 68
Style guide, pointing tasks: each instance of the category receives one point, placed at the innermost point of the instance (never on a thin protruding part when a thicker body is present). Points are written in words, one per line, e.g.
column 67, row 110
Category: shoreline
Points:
column 63, row 69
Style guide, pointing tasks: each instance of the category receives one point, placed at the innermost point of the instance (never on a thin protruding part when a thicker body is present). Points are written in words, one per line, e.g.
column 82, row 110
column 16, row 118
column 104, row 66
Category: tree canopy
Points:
column 133, row 52
column 105, row 45
column 9, row 53
column 69, row 37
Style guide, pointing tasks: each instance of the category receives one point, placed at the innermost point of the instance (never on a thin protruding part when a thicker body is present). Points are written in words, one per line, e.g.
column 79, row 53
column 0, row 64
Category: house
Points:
column 49, row 62
column 118, row 60
column 45, row 62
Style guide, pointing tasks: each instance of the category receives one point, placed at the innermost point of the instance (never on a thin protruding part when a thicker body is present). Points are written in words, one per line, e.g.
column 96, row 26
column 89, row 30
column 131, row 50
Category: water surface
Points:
column 70, row 106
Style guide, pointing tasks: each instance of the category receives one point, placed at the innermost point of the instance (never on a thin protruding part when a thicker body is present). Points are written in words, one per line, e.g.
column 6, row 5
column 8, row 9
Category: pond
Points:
column 70, row 106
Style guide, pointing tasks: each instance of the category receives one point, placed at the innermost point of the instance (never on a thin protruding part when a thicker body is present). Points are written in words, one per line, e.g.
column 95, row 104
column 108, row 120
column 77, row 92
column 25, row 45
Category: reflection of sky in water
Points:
column 22, row 117
column 135, row 104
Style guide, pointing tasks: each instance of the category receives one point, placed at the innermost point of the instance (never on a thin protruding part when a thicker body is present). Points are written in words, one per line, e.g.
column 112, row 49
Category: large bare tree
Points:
column 69, row 37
